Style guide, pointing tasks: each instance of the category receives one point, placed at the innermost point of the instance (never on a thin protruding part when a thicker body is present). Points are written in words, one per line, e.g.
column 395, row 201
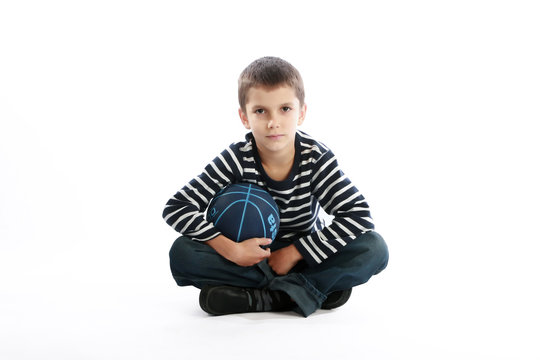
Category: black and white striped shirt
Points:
column 315, row 180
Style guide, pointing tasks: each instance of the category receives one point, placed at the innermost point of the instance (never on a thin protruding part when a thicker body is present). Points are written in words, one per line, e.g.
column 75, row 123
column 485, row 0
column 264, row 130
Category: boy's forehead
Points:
column 269, row 95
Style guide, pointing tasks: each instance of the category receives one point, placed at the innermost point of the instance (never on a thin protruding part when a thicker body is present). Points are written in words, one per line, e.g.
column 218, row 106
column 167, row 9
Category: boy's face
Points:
column 272, row 115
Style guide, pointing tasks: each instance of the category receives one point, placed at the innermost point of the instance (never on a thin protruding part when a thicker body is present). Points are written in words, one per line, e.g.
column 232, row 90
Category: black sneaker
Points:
column 336, row 299
column 223, row 300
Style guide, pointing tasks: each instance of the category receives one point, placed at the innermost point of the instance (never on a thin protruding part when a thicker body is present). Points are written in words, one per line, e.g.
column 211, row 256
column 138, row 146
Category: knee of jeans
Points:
column 180, row 255
column 379, row 249
column 375, row 244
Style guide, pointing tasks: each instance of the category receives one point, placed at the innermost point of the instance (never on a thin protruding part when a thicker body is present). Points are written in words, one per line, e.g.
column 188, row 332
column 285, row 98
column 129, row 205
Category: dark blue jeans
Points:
column 195, row 263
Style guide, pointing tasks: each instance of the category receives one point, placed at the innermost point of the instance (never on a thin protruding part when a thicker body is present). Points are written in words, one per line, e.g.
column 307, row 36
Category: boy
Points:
column 308, row 266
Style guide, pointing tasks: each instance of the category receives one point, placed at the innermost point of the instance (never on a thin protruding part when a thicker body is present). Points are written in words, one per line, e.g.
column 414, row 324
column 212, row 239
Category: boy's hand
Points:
column 283, row 260
column 245, row 253
column 249, row 252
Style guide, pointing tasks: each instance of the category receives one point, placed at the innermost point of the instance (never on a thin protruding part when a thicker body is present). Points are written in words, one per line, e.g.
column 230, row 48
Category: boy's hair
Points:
column 269, row 72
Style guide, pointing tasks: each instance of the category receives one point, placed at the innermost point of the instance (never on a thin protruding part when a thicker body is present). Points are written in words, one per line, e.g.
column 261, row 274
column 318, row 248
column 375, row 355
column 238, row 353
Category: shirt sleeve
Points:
column 339, row 198
column 185, row 211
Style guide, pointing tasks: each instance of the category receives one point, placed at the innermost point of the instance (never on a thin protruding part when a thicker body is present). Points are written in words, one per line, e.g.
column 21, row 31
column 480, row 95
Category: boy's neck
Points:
column 277, row 166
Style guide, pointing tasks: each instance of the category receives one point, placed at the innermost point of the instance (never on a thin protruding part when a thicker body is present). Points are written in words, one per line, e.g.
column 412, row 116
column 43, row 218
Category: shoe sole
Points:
column 340, row 301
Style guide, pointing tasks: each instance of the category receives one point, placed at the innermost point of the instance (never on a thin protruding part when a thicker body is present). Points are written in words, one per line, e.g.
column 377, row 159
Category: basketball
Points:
column 243, row 211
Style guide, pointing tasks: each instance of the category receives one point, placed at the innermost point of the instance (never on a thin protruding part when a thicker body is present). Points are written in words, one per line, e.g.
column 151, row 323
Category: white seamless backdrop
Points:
column 107, row 108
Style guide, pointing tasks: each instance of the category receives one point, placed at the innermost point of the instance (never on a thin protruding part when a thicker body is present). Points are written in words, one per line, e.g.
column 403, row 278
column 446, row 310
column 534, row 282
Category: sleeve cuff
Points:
column 305, row 254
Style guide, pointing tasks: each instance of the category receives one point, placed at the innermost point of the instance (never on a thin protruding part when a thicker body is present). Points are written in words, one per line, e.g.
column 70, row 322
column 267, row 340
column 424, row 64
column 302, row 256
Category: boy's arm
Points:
column 185, row 210
column 245, row 253
column 340, row 198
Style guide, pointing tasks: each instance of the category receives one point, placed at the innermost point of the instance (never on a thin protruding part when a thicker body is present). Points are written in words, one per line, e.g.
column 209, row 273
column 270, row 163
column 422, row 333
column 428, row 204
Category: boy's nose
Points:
column 272, row 124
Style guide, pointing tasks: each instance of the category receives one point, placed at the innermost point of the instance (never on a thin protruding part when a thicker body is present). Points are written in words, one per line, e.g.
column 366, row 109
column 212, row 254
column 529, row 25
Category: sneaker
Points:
column 223, row 300
column 336, row 299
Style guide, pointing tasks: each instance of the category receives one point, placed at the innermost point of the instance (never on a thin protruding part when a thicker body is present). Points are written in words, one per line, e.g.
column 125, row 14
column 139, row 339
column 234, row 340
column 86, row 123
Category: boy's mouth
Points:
column 275, row 137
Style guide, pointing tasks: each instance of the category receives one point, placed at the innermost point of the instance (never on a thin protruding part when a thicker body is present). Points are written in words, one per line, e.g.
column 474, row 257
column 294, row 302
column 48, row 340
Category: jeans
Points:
column 197, row 264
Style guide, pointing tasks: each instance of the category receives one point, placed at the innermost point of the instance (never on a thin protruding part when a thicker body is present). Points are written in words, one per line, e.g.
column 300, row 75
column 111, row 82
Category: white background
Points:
column 107, row 108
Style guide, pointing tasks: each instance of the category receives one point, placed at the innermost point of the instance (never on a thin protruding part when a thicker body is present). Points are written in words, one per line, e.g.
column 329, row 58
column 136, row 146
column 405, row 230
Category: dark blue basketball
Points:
column 243, row 211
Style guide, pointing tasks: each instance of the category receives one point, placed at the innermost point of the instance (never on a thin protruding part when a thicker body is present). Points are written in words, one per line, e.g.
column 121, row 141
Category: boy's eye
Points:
column 259, row 111
column 286, row 108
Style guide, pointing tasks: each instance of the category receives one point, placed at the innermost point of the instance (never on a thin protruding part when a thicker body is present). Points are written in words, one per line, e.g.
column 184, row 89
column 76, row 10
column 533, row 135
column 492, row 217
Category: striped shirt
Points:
column 315, row 180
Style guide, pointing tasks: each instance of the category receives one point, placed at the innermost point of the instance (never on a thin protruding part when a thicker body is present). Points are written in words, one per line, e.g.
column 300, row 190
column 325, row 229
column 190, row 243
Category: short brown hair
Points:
column 269, row 72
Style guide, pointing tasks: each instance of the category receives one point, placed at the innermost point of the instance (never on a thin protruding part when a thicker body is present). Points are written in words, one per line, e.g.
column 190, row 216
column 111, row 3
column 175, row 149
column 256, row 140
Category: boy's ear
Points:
column 302, row 116
column 244, row 119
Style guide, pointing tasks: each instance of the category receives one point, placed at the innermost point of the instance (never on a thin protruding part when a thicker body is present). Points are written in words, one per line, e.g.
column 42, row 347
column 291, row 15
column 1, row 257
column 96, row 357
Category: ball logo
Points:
column 273, row 225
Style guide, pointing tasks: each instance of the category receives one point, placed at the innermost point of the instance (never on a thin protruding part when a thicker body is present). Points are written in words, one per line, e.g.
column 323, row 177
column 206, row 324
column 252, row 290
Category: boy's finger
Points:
column 264, row 241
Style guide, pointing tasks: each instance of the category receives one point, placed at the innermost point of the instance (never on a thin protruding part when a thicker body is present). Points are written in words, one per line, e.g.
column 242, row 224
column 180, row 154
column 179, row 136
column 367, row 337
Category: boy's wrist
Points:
column 297, row 256
column 223, row 246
